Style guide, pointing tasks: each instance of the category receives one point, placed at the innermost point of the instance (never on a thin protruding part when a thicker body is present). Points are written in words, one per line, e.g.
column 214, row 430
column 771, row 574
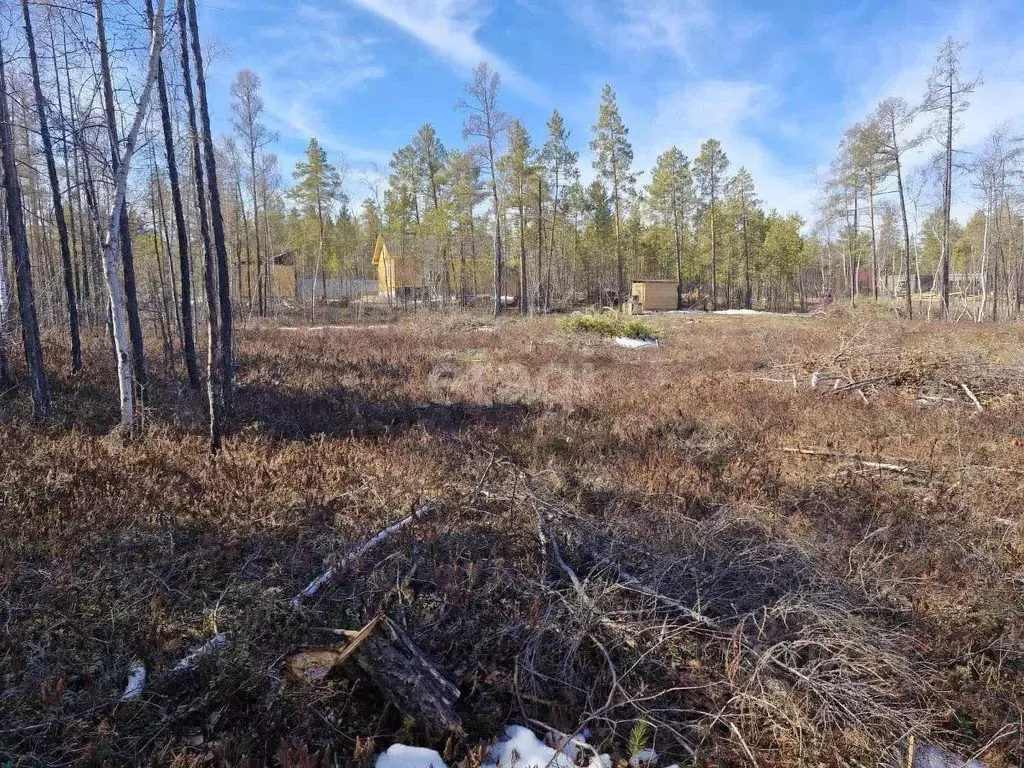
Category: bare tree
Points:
column 115, row 217
column 22, row 264
column 58, row 206
column 188, row 338
column 213, row 389
column 946, row 95
column 487, row 123
column 247, row 106
column 216, row 218
column 138, row 350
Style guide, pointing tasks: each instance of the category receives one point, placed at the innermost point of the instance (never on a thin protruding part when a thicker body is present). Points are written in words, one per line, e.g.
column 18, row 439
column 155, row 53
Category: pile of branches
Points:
column 537, row 601
column 866, row 371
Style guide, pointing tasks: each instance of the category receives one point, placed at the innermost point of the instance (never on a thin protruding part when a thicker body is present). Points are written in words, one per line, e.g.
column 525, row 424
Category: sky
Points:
column 777, row 83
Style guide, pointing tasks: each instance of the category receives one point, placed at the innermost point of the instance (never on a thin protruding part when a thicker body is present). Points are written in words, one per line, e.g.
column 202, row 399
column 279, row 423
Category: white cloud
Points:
column 449, row 29
column 643, row 26
column 734, row 112
column 310, row 63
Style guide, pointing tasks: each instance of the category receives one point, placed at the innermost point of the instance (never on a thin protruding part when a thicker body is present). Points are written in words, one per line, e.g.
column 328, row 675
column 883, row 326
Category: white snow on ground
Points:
column 522, row 749
column 936, row 757
column 622, row 341
column 644, row 757
column 401, row 756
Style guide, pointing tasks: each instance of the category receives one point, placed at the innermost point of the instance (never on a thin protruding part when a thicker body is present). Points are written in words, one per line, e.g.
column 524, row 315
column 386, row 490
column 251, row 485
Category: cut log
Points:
column 405, row 676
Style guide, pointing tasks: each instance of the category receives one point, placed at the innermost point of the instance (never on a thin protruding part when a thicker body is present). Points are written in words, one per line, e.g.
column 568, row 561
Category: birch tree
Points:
column 114, row 222
column 128, row 288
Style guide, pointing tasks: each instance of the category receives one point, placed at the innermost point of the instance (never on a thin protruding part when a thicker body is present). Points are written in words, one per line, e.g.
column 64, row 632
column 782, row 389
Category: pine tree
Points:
column 487, row 123
column 518, row 167
column 709, row 169
column 613, row 160
column 561, row 163
column 670, row 194
column 318, row 186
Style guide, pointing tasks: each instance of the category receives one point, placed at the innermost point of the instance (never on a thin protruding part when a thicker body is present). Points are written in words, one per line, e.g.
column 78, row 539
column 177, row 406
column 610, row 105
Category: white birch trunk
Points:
column 984, row 263
column 111, row 270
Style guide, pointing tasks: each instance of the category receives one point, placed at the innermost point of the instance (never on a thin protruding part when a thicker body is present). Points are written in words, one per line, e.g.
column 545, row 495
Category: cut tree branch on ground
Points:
column 332, row 573
column 886, row 466
column 970, row 394
column 634, row 583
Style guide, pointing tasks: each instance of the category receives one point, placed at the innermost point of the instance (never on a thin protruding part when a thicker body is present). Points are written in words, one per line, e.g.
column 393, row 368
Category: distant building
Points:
column 412, row 267
column 400, row 261
column 654, row 295
column 282, row 278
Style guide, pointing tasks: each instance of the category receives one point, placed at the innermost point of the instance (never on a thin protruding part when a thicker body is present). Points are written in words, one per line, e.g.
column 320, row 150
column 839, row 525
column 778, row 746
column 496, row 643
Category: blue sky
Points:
column 777, row 83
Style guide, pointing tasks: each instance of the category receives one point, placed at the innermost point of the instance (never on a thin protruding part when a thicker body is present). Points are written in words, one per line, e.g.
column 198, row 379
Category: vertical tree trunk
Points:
column 261, row 302
column 119, row 298
column 22, row 265
column 217, row 220
column 524, row 284
column 714, row 259
column 7, row 378
column 874, row 246
column 188, row 339
column 906, row 224
column 213, row 389
column 58, row 207
column 539, row 299
column 127, row 257
column 947, row 204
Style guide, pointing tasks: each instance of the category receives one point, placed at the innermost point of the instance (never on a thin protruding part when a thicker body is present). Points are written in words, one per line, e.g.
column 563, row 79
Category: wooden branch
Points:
column 632, row 581
column 332, row 573
column 977, row 403
column 888, row 467
column 191, row 661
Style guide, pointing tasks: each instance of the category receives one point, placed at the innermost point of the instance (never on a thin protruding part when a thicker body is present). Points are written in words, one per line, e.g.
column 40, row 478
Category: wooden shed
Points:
column 399, row 264
column 282, row 278
column 654, row 295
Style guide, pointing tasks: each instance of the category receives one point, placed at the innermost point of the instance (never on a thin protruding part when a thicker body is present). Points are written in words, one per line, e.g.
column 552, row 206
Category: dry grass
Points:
column 842, row 606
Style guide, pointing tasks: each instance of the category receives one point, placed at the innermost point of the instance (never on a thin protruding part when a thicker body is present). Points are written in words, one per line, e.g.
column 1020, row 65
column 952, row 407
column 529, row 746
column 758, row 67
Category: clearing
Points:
column 692, row 536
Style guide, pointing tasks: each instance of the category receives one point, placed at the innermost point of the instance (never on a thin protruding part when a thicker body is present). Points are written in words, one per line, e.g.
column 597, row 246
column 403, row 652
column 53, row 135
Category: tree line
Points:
column 125, row 215
column 886, row 227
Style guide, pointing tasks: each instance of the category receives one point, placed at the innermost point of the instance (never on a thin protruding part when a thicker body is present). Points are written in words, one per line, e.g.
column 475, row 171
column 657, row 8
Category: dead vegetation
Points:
column 767, row 572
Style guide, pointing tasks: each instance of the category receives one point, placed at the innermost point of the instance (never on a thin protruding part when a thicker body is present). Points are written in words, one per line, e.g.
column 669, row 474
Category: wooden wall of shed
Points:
column 656, row 296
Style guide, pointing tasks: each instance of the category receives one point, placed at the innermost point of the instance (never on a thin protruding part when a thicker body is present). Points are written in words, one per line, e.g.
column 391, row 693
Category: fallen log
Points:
column 332, row 573
column 405, row 676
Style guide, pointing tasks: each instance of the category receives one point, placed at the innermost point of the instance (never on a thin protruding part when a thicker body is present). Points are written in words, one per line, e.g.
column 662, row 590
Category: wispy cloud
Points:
column 736, row 112
column 644, row 26
column 449, row 28
column 310, row 63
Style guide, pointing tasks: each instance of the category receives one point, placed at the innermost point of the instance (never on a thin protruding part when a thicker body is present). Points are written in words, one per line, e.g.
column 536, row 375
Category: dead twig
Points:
column 332, row 573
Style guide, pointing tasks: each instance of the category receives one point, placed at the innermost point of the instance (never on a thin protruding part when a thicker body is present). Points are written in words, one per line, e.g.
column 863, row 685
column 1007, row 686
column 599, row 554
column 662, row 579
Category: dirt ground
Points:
column 776, row 541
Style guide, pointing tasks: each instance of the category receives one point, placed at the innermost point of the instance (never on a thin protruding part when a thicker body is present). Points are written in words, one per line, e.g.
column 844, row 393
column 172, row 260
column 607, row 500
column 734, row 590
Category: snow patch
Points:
column 522, row 749
column 644, row 757
column 136, row 681
column 936, row 757
column 622, row 341
column 401, row 756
